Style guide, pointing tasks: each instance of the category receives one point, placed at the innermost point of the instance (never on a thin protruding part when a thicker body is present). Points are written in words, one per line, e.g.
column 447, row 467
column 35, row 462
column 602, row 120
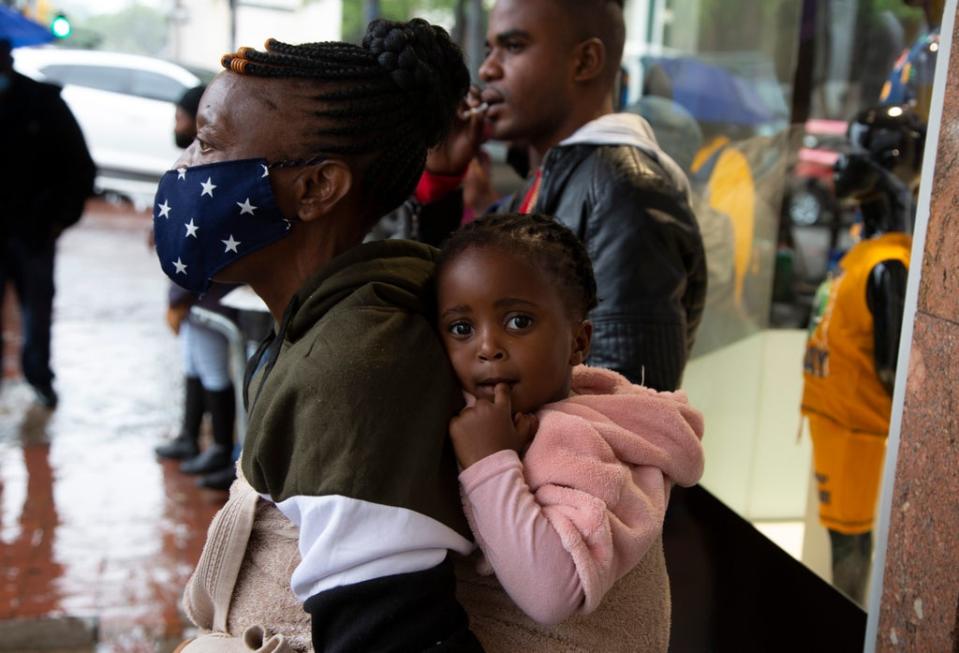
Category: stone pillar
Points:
column 919, row 609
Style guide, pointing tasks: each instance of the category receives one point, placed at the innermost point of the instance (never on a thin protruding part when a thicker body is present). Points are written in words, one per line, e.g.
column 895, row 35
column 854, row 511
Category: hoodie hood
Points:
column 635, row 424
column 628, row 129
column 397, row 272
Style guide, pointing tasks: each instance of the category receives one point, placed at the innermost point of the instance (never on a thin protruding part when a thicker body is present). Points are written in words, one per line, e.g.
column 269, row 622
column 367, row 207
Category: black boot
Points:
column 221, row 479
column 184, row 446
column 222, row 407
column 851, row 560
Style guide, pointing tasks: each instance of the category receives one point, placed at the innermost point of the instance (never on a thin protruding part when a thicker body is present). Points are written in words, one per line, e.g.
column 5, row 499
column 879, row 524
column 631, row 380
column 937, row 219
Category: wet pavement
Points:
column 92, row 526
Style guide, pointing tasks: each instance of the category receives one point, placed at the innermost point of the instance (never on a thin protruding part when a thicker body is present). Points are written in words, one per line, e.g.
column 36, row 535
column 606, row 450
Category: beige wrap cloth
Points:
column 240, row 596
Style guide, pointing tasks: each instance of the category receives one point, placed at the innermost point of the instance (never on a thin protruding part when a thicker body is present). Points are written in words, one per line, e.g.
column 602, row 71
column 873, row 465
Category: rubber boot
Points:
column 222, row 407
column 184, row 446
column 851, row 561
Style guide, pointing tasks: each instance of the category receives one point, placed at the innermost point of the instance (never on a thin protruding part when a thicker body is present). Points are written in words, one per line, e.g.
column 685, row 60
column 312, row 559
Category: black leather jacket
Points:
column 647, row 254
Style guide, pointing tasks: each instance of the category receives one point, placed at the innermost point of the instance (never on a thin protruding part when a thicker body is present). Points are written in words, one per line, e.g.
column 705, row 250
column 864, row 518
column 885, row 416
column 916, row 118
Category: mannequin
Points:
column 853, row 346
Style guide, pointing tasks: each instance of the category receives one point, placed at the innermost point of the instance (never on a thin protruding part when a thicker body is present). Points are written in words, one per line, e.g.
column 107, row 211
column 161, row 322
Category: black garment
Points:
column 404, row 613
column 46, row 174
column 646, row 249
column 222, row 407
column 185, row 445
column 647, row 254
column 886, row 299
column 30, row 269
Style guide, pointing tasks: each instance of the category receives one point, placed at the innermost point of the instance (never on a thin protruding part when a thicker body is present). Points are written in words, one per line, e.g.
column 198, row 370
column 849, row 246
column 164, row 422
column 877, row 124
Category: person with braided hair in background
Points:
column 347, row 489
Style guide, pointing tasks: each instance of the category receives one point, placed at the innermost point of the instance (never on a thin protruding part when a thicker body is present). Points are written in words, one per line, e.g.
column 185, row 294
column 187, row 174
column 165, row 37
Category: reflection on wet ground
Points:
column 91, row 524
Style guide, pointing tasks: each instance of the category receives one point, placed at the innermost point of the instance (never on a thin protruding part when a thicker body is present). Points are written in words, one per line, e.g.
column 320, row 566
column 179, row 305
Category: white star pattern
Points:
column 266, row 171
column 230, row 245
column 181, row 173
column 288, row 224
column 246, row 207
column 191, row 228
column 208, row 187
column 164, row 210
column 180, row 266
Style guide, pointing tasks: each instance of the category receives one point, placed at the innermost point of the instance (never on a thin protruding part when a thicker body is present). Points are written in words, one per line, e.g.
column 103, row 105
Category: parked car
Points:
column 124, row 104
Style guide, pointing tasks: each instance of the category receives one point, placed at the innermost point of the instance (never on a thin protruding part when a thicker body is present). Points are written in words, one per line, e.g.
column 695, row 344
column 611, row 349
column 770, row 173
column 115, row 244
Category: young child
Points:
column 566, row 469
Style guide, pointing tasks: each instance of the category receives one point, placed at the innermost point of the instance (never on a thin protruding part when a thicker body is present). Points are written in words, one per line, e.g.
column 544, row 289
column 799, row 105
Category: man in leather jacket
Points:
column 549, row 81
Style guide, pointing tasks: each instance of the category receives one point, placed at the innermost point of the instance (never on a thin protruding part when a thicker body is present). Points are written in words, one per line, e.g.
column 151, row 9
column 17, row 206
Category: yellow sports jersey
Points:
column 847, row 406
column 840, row 372
column 732, row 190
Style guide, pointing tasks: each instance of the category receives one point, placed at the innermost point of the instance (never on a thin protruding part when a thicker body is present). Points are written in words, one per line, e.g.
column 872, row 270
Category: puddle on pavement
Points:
column 91, row 524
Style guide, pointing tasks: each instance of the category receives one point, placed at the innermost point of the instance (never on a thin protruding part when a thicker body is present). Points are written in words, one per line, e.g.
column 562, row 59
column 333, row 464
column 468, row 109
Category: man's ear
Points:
column 582, row 338
column 320, row 187
column 590, row 60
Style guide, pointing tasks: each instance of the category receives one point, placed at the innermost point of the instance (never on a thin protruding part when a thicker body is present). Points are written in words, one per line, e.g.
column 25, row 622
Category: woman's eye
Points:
column 460, row 329
column 519, row 322
column 204, row 147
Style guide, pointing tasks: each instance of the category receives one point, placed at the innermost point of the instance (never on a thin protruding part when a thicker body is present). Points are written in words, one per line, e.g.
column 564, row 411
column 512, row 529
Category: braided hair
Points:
column 391, row 98
column 543, row 241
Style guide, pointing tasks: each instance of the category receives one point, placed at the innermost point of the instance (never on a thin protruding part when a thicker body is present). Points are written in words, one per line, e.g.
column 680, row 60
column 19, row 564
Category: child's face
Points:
column 504, row 320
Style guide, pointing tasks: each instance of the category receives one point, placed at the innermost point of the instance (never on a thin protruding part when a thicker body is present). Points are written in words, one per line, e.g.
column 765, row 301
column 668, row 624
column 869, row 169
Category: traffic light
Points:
column 60, row 26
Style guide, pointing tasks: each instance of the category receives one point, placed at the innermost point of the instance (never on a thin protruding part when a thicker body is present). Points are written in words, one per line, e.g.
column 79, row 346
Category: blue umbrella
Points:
column 20, row 30
column 713, row 94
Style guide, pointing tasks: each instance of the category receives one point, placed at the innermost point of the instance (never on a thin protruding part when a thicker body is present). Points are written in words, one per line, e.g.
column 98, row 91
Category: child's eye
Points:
column 519, row 322
column 460, row 329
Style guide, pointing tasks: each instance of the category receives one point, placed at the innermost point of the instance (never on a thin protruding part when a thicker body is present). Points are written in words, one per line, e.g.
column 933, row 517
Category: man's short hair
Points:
column 602, row 19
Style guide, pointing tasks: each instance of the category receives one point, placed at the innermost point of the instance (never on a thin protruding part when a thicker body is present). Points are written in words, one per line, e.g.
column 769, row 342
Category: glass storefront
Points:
column 754, row 98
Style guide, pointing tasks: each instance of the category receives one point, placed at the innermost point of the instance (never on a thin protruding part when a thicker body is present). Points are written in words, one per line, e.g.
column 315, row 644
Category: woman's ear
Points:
column 320, row 187
column 590, row 58
column 582, row 337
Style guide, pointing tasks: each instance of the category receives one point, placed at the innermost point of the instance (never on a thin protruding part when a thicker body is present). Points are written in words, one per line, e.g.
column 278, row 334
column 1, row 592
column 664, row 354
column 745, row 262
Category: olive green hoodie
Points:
column 357, row 400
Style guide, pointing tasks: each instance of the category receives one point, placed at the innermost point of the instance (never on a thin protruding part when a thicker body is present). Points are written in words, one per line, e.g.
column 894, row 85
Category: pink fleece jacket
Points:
column 588, row 499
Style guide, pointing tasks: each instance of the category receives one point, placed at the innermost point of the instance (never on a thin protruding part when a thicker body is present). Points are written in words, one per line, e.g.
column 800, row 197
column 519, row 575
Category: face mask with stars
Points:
column 208, row 216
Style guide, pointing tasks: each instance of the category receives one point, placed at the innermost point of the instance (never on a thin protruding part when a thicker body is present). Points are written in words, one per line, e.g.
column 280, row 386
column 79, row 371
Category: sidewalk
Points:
column 97, row 538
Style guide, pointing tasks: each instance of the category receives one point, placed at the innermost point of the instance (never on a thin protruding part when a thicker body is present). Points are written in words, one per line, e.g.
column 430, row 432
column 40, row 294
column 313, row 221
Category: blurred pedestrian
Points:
column 46, row 175
column 206, row 358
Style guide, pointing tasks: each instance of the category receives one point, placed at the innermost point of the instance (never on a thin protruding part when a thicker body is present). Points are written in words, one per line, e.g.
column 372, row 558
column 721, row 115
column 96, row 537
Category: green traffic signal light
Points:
column 61, row 27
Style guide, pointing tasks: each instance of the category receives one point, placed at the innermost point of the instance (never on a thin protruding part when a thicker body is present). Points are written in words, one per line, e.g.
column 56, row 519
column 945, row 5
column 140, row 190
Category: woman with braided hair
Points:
column 347, row 488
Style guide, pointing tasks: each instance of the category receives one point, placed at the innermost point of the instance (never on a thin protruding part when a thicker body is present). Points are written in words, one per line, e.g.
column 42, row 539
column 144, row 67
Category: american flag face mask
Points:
column 208, row 216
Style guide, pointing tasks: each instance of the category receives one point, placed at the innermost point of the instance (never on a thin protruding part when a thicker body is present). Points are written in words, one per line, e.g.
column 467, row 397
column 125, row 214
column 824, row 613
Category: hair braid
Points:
column 536, row 238
column 392, row 98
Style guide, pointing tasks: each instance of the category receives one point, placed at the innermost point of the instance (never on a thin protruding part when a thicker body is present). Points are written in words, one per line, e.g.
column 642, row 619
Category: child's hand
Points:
column 490, row 426
column 175, row 316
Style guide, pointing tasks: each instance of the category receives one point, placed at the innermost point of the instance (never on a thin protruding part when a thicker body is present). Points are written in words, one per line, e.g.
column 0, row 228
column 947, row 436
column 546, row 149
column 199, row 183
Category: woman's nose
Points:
column 188, row 158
